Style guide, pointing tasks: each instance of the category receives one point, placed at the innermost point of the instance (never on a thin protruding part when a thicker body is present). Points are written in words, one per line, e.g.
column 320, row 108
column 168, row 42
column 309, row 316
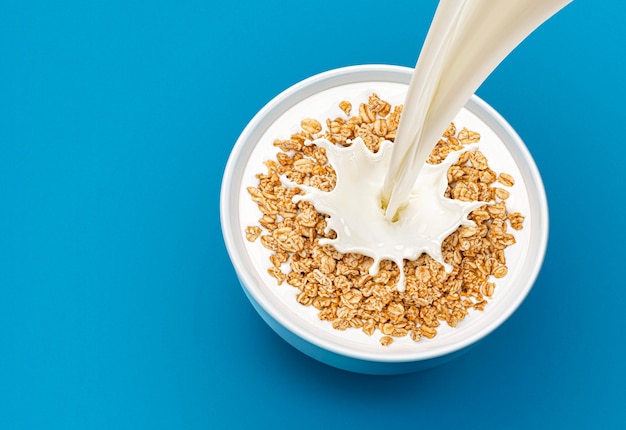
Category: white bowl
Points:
column 318, row 97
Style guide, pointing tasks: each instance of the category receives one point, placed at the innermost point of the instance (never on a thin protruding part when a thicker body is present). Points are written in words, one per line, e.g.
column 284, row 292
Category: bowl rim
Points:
column 345, row 75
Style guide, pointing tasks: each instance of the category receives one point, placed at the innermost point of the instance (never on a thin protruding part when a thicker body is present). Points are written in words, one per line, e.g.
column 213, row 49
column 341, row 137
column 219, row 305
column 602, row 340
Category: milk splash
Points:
column 356, row 215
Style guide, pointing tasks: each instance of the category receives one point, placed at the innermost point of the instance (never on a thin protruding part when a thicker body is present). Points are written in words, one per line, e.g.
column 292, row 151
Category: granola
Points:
column 339, row 285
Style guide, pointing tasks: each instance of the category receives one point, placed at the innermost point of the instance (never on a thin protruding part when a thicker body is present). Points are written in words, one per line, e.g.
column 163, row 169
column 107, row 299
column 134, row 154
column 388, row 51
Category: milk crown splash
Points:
column 358, row 220
column 465, row 43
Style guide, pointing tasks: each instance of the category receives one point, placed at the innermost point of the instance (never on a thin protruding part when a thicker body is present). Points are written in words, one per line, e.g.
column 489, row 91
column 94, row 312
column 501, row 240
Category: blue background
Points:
column 119, row 307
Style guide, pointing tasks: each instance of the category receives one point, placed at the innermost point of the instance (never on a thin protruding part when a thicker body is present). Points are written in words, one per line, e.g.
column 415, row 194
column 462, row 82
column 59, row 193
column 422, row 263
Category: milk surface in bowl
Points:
column 318, row 97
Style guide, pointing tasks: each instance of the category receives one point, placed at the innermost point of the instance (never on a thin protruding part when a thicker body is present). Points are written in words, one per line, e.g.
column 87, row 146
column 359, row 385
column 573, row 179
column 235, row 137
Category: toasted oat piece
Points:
column 386, row 340
column 346, row 107
column 252, row 233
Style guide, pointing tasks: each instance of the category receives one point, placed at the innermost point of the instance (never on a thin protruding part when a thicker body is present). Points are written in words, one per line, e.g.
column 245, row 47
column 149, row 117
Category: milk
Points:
column 391, row 205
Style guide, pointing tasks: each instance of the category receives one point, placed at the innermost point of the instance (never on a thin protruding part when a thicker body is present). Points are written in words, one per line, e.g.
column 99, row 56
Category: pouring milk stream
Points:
column 465, row 43
column 391, row 204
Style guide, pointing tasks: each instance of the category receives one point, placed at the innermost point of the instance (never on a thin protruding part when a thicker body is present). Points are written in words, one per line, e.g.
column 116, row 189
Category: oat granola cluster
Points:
column 339, row 285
